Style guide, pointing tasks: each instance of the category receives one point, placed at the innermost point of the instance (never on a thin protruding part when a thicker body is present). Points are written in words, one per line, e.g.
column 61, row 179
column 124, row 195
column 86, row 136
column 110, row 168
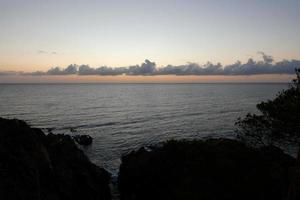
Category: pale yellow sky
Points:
column 38, row 35
column 122, row 33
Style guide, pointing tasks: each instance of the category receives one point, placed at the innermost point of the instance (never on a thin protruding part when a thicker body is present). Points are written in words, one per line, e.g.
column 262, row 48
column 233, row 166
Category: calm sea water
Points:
column 123, row 117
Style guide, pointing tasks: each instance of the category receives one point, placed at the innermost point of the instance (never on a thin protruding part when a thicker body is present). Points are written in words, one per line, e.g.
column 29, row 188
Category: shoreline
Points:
column 225, row 163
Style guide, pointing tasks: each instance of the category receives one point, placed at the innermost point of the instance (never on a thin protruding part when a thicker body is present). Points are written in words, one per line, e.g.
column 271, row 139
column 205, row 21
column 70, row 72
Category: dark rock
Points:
column 207, row 170
column 73, row 130
column 297, row 177
column 83, row 139
column 36, row 166
column 294, row 189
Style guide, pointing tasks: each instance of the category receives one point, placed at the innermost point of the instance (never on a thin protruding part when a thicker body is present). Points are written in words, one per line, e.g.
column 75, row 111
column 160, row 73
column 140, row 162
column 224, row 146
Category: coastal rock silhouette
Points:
column 36, row 166
column 213, row 169
column 83, row 139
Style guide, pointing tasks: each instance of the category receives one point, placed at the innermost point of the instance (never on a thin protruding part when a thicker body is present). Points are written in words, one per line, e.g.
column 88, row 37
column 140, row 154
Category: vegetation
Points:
column 278, row 121
column 212, row 169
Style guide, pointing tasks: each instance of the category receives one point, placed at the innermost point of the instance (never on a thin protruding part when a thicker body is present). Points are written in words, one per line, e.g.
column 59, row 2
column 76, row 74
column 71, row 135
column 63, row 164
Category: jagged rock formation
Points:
column 36, row 166
column 84, row 140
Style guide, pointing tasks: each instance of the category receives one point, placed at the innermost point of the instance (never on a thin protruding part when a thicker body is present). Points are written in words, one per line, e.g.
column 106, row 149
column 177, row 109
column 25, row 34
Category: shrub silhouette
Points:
column 278, row 121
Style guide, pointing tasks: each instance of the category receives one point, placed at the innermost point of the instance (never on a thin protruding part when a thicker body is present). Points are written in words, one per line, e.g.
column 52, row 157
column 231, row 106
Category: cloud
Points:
column 46, row 52
column 71, row 69
column 8, row 73
column 251, row 67
column 148, row 68
column 192, row 69
column 86, row 70
column 267, row 58
column 42, row 52
column 109, row 71
column 36, row 73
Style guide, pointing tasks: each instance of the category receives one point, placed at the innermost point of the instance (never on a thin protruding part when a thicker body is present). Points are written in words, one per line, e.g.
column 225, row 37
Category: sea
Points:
column 125, row 117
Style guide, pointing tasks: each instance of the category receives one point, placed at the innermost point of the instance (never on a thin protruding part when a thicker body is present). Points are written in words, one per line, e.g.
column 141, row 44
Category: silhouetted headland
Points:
column 212, row 169
column 36, row 166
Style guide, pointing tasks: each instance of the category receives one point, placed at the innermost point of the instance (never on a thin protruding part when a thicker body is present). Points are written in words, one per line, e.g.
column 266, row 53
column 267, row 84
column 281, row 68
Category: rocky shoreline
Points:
column 39, row 166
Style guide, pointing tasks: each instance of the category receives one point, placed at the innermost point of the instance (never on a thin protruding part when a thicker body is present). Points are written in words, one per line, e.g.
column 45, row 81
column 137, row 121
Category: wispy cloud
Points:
column 47, row 52
column 148, row 68
column 42, row 52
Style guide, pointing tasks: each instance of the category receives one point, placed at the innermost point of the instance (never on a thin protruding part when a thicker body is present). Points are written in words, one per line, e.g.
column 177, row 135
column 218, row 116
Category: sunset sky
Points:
column 39, row 34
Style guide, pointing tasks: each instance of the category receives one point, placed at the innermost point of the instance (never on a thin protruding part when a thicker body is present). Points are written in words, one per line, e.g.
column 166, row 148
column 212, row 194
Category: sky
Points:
column 37, row 35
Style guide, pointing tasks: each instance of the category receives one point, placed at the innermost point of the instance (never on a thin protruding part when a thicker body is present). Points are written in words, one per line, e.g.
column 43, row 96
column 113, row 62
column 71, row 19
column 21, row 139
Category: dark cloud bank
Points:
column 148, row 68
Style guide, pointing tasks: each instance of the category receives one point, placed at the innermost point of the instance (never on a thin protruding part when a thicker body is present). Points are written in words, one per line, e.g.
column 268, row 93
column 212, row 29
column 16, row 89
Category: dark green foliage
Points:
column 278, row 121
column 213, row 169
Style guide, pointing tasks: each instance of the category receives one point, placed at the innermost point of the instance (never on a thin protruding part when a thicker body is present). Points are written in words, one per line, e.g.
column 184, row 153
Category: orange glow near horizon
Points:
column 145, row 79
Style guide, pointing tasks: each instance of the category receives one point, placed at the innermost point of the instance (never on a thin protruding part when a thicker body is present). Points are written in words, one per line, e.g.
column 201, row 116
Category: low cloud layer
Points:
column 8, row 73
column 148, row 68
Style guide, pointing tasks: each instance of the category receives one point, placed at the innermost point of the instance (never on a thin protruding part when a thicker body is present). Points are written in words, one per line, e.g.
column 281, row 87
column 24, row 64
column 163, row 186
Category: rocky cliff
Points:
column 36, row 166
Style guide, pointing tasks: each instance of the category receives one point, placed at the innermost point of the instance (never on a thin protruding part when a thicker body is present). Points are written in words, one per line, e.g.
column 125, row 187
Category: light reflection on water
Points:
column 122, row 117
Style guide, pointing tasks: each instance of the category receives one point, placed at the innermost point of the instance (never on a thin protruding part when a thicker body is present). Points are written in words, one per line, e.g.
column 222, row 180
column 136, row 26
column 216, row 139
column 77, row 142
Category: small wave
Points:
column 88, row 126
column 230, row 111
